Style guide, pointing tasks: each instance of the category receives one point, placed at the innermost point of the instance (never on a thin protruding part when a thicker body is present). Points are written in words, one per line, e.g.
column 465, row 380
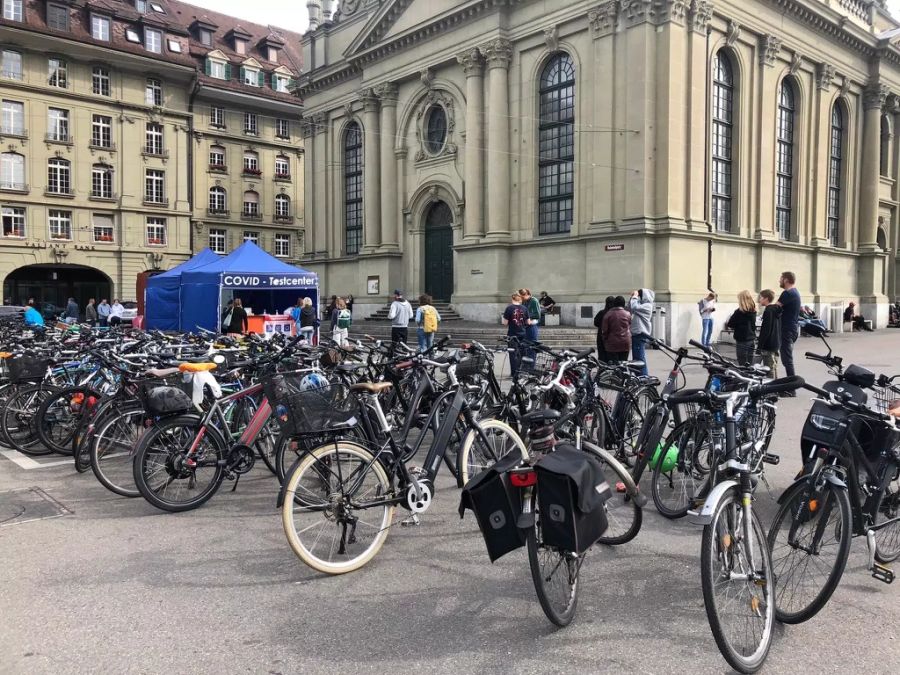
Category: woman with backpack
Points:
column 340, row 322
column 427, row 320
column 743, row 323
column 515, row 318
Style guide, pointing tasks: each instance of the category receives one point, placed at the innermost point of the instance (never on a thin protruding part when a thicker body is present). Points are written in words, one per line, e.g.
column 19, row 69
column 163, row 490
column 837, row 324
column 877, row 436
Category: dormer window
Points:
column 252, row 77
column 205, row 37
column 240, row 46
column 218, row 69
column 100, row 27
column 132, row 36
column 174, row 46
column 281, row 83
column 140, row 5
column 153, row 40
column 156, row 7
column 273, row 54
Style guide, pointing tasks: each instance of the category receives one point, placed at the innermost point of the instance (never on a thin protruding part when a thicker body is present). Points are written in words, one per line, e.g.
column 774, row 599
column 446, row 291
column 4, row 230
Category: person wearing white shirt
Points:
column 116, row 311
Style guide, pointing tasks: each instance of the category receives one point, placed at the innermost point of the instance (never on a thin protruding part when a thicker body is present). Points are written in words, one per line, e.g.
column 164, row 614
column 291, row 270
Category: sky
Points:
column 290, row 14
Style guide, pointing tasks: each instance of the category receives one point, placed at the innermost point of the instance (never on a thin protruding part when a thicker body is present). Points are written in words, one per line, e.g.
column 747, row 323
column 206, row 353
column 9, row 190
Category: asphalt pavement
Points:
column 112, row 585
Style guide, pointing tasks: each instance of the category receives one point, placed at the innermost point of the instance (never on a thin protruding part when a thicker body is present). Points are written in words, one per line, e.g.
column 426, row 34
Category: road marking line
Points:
column 25, row 462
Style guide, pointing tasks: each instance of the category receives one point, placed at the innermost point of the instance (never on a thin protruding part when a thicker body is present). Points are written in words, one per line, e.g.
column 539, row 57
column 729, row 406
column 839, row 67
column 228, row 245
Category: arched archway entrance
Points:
column 439, row 251
column 55, row 284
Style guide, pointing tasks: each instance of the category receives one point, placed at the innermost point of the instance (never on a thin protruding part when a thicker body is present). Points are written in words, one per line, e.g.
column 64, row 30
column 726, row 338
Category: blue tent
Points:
column 162, row 304
column 263, row 282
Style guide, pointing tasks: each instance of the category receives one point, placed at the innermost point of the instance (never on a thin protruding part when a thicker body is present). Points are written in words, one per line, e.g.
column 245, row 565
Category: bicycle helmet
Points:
column 313, row 381
column 668, row 462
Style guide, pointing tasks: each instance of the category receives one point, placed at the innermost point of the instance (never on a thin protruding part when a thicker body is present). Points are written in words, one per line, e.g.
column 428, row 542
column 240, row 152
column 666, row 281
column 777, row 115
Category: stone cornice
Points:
column 326, row 80
column 818, row 21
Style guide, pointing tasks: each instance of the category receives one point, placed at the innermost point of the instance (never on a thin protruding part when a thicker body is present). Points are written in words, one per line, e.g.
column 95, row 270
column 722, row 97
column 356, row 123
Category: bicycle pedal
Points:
column 882, row 573
column 412, row 521
column 769, row 458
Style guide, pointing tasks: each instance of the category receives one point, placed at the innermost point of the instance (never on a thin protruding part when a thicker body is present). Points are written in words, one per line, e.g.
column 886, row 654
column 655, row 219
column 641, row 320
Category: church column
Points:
column 821, row 129
column 870, row 157
column 371, row 172
column 473, row 66
column 764, row 218
column 498, row 54
column 390, row 222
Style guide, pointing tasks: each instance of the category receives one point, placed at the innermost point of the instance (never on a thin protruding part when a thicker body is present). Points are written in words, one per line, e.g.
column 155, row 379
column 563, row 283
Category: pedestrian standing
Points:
column 90, row 313
column 329, row 308
column 707, row 306
column 340, row 322
column 400, row 314
column 308, row 320
column 239, row 323
column 349, row 302
column 641, row 305
column 103, row 310
column 72, row 311
column 743, row 323
column 602, row 352
column 790, row 322
column 616, row 331
column 116, row 311
column 533, row 307
column 769, row 342
column 427, row 320
column 515, row 318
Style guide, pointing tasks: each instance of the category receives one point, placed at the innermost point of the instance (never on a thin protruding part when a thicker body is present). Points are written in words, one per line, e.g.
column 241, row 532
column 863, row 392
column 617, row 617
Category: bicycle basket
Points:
column 23, row 368
column 472, row 366
column 330, row 358
column 537, row 363
column 309, row 412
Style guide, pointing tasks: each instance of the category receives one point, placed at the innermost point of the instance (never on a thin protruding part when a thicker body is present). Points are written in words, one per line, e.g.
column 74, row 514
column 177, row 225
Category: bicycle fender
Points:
column 279, row 502
column 704, row 515
column 829, row 477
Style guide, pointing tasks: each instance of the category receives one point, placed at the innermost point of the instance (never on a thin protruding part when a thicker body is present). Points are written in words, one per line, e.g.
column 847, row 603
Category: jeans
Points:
column 745, row 352
column 637, row 351
column 399, row 334
column 531, row 332
column 306, row 332
column 426, row 340
column 788, row 338
column 339, row 335
column 515, row 354
column 706, row 335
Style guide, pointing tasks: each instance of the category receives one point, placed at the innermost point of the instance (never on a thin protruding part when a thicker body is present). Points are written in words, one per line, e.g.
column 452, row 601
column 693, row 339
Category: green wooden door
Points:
column 439, row 252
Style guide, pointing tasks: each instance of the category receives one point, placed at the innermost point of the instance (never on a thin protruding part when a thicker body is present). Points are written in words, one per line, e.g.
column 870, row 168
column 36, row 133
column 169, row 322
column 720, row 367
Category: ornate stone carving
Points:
column 638, row 11
column 348, row 109
column 471, row 61
column 497, row 53
column 701, row 15
column 432, row 98
column 845, row 86
column 672, row 10
column 348, row 7
column 824, row 76
column 311, row 125
column 796, row 62
column 427, row 77
column 732, row 33
column 387, row 93
column 369, row 100
column 892, row 106
column 603, row 19
column 551, row 38
column 875, row 96
column 769, row 46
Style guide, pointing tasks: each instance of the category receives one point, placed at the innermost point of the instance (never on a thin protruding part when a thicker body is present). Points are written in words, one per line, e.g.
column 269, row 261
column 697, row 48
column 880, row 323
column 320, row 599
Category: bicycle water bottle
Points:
column 715, row 386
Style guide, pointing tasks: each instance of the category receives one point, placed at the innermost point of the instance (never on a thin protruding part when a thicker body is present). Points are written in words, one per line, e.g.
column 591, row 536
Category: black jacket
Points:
column 770, row 330
column 238, row 320
column 743, row 324
column 307, row 317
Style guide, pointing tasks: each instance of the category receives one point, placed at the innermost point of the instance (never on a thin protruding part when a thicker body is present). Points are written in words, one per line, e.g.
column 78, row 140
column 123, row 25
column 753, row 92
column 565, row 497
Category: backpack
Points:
column 429, row 319
column 519, row 318
column 345, row 318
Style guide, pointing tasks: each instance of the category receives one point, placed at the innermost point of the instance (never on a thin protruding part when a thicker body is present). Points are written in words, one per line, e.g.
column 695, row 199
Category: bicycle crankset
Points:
column 241, row 459
column 418, row 496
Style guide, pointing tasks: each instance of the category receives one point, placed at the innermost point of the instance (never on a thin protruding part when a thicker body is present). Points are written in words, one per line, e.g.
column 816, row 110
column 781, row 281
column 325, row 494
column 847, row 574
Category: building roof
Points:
column 180, row 22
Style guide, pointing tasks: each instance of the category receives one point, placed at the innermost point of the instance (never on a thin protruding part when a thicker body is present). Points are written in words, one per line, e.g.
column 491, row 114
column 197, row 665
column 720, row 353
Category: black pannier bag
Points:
column 27, row 368
column 496, row 505
column 165, row 400
column 572, row 492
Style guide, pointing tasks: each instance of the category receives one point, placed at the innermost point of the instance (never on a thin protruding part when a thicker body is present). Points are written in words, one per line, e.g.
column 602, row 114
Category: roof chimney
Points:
column 315, row 13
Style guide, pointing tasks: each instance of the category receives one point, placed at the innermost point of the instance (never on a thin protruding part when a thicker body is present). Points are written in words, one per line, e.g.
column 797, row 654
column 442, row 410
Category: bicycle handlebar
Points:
column 782, row 384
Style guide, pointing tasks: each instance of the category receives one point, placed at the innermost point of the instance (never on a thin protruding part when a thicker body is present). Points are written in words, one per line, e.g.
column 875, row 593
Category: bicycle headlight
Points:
column 823, row 423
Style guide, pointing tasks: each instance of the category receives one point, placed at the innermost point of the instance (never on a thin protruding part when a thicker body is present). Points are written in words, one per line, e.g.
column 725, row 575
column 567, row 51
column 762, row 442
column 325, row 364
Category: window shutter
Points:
column 228, row 71
column 208, row 67
column 262, row 78
column 242, row 74
column 273, row 82
column 292, row 84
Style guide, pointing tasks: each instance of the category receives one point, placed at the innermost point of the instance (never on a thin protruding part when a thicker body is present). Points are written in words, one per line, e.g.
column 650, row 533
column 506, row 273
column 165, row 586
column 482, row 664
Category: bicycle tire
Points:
column 81, row 448
column 797, row 505
column 685, row 438
column 718, row 534
column 307, row 478
column 57, row 421
column 471, row 459
column 120, row 433
column 887, row 539
column 152, row 447
column 6, row 391
column 623, row 513
column 19, row 419
column 567, row 571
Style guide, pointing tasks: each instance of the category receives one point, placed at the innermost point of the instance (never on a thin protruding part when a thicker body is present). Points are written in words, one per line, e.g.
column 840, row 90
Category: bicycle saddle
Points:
column 537, row 416
column 371, row 387
column 161, row 372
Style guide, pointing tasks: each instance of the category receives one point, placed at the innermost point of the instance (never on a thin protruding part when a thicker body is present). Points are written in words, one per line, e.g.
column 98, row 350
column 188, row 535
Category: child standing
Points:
column 769, row 341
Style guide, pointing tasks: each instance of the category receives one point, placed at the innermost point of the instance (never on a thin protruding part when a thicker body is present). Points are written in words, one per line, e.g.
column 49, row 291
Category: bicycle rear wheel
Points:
column 810, row 544
column 554, row 573
column 59, row 416
column 676, row 484
column 20, row 422
column 337, row 508
column 480, row 452
column 887, row 539
column 623, row 513
column 112, row 449
column 738, row 585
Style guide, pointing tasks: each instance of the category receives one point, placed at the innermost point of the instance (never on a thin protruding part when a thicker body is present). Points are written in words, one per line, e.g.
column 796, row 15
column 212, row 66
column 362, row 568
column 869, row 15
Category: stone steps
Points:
column 486, row 334
column 444, row 309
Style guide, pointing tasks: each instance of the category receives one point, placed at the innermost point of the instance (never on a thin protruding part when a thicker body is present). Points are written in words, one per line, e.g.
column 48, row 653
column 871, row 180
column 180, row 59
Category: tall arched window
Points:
column 835, row 171
column 885, row 146
column 722, row 142
column 59, row 176
column 101, row 181
column 556, row 146
column 784, row 160
column 353, row 188
column 218, row 200
column 251, row 204
column 282, row 206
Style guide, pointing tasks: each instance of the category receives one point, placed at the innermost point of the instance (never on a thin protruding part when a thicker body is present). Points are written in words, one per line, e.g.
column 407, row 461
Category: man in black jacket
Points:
column 768, row 342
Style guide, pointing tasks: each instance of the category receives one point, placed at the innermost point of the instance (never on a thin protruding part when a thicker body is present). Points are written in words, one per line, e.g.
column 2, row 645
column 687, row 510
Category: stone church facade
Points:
column 470, row 147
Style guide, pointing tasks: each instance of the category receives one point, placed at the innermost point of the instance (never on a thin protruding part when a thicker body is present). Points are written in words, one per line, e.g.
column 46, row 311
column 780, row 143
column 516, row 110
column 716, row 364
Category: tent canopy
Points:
column 163, row 295
column 247, row 269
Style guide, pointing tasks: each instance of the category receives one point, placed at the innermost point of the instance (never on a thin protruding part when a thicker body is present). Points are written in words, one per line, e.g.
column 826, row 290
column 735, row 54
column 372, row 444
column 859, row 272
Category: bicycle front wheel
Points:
column 810, row 543
column 482, row 450
column 887, row 539
column 738, row 585
column 337, row 508
column 554, row 573
column 678, row 475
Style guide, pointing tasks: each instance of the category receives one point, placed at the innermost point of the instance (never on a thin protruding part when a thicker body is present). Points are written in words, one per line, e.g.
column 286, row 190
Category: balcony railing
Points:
column 56, row 137
column 155, row 201
column 219, row 168
column 95, row 145
column 251, row 215
column 12, row 186
column 283, row 176
column 252, row 172
column 217, row 213
column 59, row 192
column 16, row 133
column 156, row 241
column 104, row 238
column 104, row 196
column 284, row 218
column 154, row 152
